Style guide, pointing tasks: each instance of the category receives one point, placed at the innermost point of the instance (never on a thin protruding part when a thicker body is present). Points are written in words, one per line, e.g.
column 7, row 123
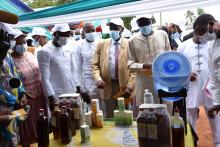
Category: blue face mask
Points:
column 115, row 35
column 146, row 30
column 21, row 48
column 35, row 43
column 77, row 37
column 90, row 36
column 175, row 35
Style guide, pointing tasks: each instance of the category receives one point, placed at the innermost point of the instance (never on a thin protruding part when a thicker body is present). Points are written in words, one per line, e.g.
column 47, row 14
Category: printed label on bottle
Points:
column 152, row 131
column 76, row 113
column 142, row 130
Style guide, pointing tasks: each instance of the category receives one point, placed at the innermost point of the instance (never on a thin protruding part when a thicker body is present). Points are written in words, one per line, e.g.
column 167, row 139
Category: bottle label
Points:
column 142, row 130
column 76, row 113
column 152, row 131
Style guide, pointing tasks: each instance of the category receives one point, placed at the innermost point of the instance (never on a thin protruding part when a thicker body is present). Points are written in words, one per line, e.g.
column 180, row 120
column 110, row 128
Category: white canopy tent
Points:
column 121, row 10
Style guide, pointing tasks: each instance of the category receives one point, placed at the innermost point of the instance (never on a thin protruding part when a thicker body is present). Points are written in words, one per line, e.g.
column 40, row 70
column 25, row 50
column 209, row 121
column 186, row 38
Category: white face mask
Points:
column 21, row 48
column 12, row 44
column 207, row 37
column 62, row 41
column 90, row 36
column 35, row 43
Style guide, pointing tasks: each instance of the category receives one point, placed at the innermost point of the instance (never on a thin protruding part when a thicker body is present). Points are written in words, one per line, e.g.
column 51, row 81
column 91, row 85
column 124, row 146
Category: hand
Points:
column 193, row 77
column 24, row 100
column 4, row 44
column 85, row 97
column 147, row 66
column 101, row 84
column 77, row 89
column 213, row 110
column 5, row 120
column 127, row 93
column 5, row 111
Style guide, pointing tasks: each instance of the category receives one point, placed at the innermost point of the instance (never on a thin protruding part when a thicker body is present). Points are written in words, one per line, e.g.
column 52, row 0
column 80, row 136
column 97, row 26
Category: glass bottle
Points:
column 42, row 130
column 142, row 129
column 65, row 127
column 76, row 111
column 177, row 127
column 55, row 121
column 71, row 115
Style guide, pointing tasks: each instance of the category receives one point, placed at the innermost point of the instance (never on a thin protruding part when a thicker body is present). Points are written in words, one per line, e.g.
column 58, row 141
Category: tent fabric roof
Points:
column 14, row 6
column 88, row 10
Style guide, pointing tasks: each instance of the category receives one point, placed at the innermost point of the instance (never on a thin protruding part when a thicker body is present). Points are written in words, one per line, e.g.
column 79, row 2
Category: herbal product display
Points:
column 42, row 130
column 123, row 117
column 55, row 121
column 66, row 135
column 153, row 124
column 177, row 126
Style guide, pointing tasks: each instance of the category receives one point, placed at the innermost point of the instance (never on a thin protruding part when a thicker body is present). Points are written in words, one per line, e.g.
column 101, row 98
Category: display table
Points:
column 112, row 136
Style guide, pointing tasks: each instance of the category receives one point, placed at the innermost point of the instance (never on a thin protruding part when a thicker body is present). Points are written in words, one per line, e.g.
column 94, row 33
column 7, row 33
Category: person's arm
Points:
column 78, row 66
column 96, row 62
column 167, row 42
column 133, row 65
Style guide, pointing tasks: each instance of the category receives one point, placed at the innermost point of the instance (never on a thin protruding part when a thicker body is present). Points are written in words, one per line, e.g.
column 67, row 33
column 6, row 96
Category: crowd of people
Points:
column 119, row 66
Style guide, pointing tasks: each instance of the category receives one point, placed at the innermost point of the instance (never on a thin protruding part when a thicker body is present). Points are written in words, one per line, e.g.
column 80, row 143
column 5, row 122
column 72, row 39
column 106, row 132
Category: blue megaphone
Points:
column 171, row 73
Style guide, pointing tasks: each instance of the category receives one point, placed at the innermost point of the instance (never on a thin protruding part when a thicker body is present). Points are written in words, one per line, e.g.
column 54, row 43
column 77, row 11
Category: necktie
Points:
column 116, row 58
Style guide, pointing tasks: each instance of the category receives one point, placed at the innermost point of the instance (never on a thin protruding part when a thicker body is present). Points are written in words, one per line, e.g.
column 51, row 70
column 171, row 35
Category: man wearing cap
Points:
column 85, row 50
column 143, row 48
column 11, row 89
column 134, row 27
column 39, row 38
column 196, row 51
column 56, row 65
column 110, row 68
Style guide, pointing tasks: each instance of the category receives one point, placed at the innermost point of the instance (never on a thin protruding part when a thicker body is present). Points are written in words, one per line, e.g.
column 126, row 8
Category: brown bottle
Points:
column 42, row 130
column 71, row 115
column 76, row 112
column 177, row 127
column 65, row 127
column 141, row 128
column 55, row 121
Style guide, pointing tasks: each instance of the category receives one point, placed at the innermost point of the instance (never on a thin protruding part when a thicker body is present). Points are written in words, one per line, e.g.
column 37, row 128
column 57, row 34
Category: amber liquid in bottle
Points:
column 42, row 130
column 76, row 112
column 177, row 127
column 71, row 115
column 141, row 126
column 55, row 117
column 65, row 127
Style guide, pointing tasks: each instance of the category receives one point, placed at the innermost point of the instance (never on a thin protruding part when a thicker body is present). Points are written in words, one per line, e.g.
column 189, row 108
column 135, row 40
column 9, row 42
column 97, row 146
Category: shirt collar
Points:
column 119, row 41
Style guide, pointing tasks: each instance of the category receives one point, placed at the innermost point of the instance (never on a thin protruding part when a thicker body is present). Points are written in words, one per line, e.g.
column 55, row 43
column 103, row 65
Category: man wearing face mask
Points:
column 56, row 65
column 86, row 84
column 196, row 50
column 40, row 38
column 143, row 48
column 77, row 35
column 110, row 68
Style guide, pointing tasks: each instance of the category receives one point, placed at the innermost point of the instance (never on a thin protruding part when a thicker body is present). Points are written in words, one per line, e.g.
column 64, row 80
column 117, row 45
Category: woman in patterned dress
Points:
column 29, row 74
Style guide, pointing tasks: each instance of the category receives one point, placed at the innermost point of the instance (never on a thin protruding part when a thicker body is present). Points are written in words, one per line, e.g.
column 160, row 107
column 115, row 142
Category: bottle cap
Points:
column 146, row 90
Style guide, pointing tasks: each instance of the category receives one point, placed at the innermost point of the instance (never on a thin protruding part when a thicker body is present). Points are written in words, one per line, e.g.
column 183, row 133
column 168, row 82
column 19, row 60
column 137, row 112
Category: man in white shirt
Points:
column 196, row 50
column 56, row 62
column 40, row 38
column 85, row 50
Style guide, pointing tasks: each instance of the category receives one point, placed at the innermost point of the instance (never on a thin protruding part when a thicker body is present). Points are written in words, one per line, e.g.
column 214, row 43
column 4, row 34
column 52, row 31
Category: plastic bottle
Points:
column 65, row 127
column 152, row 129
column 177, row 127
column 76, row 111
column 85, row 133
column 55, row 120
column 148, row 97
column 142, row 129
column 42, row 130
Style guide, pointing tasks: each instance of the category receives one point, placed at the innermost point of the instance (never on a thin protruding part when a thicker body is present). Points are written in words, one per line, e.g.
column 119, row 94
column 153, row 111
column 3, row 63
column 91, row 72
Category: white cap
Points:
column 7, row 28
column 18, row 33
column 38, row 31
column 144, row 16
column 134, row 25
column 127, row 33
column 61, row 28
column 116, row 21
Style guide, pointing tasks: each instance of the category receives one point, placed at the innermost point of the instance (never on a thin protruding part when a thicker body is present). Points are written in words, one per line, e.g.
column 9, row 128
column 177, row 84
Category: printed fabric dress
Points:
column 28, row 70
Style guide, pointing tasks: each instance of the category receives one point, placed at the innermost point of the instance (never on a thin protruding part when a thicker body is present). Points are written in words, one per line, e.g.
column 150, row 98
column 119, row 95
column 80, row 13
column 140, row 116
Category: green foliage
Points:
column 127, row 22
column 46, row 3
column 191, row 16
column 200, row 11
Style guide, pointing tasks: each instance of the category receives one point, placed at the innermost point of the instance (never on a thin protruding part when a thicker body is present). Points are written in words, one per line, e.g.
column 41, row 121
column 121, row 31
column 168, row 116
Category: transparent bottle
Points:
column 148, row 97
column 55, row 121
